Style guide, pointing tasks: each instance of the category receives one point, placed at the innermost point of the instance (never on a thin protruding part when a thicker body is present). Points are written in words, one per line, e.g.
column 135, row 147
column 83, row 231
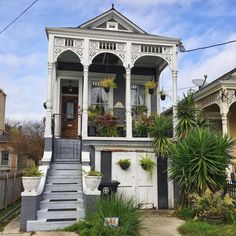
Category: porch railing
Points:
column 231, row 189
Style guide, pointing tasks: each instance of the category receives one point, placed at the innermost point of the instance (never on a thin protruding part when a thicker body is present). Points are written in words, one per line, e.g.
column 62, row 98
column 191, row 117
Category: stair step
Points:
column 61, row 187
column 64, row 172
column 59, row 166
column 67, row 160
column 47, row 204
column 62, row 195
column 58, row 214
column 63, row 180
column 42, row 225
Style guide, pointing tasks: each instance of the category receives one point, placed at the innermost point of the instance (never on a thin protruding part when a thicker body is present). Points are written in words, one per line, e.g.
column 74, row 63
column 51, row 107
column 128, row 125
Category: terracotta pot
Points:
column 31, row 184
column 92, row 182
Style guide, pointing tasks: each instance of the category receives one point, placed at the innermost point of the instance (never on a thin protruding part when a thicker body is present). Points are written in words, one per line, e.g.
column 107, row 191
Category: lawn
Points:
column 200, row 228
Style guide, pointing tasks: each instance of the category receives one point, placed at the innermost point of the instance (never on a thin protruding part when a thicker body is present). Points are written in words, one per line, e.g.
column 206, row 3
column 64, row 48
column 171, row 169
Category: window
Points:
column 138, row 99
column 99, row 98
column 5, row 158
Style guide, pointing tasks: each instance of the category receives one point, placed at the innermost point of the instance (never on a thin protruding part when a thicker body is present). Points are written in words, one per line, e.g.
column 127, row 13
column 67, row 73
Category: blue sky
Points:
column 23, row 46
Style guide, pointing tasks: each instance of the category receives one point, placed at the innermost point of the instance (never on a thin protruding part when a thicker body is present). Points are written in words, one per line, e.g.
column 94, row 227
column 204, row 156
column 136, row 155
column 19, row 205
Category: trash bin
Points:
column 108, row 187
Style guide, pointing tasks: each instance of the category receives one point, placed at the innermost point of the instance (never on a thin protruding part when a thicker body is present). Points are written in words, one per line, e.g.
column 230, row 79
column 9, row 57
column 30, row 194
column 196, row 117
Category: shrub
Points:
column 130, row 221
column 199, row 162
column 214, row 205
column 185, row 213
column 142, row 125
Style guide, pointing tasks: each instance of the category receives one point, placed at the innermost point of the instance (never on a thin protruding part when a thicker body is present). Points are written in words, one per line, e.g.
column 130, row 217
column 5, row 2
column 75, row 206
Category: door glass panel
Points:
column 69, row 110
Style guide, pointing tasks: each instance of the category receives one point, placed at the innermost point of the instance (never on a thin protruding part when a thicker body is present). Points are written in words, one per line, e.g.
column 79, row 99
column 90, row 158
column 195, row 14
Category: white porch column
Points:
column 85, row 102
column 224, row 119
column 48, row 123
column 174, row 100
column 158, row 94
column 128, row 104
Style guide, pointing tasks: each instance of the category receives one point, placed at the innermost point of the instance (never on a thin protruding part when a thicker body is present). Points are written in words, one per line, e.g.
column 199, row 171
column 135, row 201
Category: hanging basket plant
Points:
column 124, row 164
column 150, row 86
column 108, row 83
column 148, row 164
column 162, row 95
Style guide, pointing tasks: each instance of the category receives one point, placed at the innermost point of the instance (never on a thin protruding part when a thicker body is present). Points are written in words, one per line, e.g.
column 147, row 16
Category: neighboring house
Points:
column 109, row 45
column 217, row 100
column 8, row 158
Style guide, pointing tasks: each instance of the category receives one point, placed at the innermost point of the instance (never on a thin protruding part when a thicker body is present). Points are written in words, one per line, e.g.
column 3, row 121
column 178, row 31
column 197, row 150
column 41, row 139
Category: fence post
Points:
column 5, row 193
column 14, row 189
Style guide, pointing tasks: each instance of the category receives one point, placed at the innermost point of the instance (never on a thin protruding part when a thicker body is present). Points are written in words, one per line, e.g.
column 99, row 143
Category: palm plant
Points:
column 188, row 116
column 161, row 133
column 199, row 161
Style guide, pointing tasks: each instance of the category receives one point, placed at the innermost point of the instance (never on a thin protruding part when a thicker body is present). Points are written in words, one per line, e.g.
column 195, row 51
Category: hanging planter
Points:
column 162, row 95
column 124, row 164
column 150, row 86
column 107, row 83
column 148, row 164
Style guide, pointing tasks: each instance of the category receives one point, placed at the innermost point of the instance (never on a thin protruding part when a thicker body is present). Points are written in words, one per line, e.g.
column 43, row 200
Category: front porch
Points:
column 84, row 108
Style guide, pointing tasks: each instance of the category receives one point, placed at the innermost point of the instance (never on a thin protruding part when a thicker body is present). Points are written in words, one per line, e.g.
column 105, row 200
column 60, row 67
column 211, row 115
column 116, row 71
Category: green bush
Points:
column 130, row 221
column 185, row 213
column 199, row 162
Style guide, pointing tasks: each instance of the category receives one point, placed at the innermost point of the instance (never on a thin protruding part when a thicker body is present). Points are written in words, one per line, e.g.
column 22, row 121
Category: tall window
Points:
column 99, row 98
column 5, row 158
column 138, row 99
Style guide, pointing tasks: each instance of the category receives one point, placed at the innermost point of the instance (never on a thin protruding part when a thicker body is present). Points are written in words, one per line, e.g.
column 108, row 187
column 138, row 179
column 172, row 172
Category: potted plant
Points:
column 150, row 86
column 108, row 83
column 147, row 163
column 213, row 207
column 124, row 164
column 31, row 178
column 92, row 179
column 106, row 125
column 162, row 94
column 142, row 125
column 92, row 114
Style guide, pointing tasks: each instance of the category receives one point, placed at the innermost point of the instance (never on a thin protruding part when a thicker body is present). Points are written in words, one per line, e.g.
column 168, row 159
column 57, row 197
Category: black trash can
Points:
column 108, row 187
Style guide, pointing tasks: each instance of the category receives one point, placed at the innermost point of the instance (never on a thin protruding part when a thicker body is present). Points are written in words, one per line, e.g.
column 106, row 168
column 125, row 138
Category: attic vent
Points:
column 151, row 48
column 69, row 42
column 107, row 45
column 112, row 25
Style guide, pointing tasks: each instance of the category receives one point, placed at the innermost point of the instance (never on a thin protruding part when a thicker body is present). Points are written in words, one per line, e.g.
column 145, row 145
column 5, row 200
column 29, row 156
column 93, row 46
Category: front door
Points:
column 69, row 117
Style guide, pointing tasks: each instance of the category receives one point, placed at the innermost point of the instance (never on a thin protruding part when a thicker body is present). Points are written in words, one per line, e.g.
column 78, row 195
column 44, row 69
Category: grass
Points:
column 130, row 221
column 201, row 228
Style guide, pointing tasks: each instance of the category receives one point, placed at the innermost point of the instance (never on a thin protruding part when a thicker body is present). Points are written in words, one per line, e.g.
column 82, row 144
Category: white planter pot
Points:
column 31, row 184
column 92, row 182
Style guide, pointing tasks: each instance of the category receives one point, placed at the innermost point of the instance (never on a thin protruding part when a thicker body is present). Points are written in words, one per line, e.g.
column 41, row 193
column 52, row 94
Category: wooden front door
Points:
column 69, row 117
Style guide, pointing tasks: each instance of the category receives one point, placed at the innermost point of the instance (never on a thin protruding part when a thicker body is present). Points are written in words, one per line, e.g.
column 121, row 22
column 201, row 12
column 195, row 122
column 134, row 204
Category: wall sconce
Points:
column 227, row 96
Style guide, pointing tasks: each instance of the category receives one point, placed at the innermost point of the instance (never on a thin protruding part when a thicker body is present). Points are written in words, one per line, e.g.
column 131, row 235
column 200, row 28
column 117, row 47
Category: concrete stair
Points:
column 62, row 199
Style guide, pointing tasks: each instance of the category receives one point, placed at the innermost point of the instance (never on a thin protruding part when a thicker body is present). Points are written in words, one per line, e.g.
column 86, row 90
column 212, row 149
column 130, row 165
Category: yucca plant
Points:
column 161, row 133
column 199, row 161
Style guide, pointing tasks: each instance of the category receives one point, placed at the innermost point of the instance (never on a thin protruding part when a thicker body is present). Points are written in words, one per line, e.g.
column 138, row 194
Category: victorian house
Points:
column 90, row 125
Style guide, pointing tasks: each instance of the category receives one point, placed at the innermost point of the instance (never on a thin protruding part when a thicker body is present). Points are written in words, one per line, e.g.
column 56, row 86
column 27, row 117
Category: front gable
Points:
column 114, row 21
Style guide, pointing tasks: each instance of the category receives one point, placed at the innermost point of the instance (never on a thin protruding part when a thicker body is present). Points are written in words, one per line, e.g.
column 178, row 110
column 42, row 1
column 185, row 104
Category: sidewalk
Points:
column 156, row 223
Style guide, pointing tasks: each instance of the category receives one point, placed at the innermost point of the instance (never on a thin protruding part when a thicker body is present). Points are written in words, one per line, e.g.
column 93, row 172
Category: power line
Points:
column 22, row 13
column 182, row 48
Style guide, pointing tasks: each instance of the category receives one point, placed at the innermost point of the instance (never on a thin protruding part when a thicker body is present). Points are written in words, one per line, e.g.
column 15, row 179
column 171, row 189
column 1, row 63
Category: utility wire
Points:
column 182, row 48
column 22, row 13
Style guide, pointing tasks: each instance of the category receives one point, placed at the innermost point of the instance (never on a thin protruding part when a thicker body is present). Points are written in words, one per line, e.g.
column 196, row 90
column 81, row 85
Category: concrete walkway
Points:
column 160, row 223
column 156, row 223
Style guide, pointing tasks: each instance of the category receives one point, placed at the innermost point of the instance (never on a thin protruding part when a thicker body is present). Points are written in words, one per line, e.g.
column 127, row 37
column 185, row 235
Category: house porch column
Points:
column 174, row 100
column 224, row 120
column 85, row 102
column 128, row 104
column 48, row 122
